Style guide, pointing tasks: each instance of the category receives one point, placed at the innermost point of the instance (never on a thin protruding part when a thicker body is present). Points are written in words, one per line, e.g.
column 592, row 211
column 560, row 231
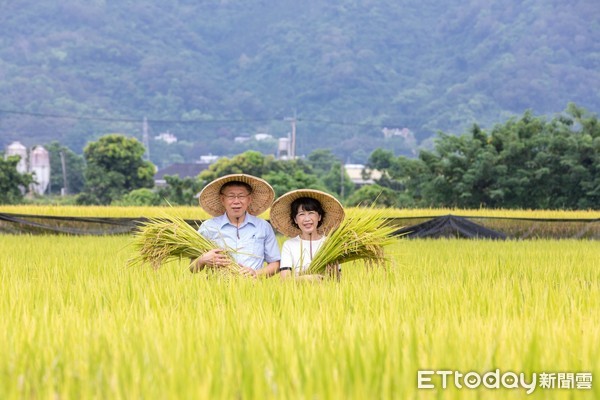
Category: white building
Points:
column 166, row 137
column 355, row 172
column 284, row 146
column 17, row 149
column 263, row 136
column 39, row 162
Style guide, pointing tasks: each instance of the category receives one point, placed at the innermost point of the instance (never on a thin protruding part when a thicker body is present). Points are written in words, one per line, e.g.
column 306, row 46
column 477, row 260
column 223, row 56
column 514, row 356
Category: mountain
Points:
column 210, row 71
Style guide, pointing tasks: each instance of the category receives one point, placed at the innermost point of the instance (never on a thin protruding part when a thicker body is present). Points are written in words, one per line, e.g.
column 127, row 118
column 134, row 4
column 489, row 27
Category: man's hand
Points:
column 214, row 258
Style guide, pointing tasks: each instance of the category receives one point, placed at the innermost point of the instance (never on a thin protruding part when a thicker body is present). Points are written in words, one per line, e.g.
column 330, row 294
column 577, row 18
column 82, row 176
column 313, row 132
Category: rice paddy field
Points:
column 188, row 212
column 77, row 323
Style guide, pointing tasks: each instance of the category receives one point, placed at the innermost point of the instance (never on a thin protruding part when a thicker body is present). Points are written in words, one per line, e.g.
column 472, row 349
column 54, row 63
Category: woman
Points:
column 305, row 216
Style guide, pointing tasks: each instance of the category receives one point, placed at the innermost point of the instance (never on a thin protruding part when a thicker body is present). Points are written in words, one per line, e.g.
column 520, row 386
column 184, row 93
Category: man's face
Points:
column 236, row 200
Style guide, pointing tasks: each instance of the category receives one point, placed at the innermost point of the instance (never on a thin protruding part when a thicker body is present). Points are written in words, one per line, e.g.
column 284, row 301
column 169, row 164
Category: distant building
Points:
column 404, row 133
column 355, row 172
column 39, row 161
column 17, row 149
column 263, row 136
column 284, row 148
column 208, row 158
column 241, row 139
column 166, row 137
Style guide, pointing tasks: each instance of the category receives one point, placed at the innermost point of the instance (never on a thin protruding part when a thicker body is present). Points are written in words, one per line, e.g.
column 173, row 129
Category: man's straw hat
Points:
column 262, row 194
column 281, row 208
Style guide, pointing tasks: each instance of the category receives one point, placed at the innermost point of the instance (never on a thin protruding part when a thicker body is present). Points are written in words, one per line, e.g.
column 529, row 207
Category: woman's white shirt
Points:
column 296, row 253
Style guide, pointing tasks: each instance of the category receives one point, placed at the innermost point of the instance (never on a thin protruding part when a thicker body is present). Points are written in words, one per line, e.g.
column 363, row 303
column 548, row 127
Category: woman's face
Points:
column 307, row 221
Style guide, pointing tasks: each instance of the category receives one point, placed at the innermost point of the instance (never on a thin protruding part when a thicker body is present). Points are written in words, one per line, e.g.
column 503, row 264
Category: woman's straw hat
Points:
column 281, row 208
column 262, row 194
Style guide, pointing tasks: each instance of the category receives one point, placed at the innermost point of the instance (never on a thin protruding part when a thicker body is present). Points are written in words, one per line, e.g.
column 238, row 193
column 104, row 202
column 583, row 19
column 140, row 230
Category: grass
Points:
column 77, row 323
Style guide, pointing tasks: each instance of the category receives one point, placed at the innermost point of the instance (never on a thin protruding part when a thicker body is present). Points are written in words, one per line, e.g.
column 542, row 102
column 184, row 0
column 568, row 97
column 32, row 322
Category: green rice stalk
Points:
column 164, row 239
column 362, row 235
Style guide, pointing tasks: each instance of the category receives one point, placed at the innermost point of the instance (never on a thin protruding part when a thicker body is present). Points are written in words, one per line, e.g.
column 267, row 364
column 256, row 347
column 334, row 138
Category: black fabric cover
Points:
column 412, row 227
column 449, row 226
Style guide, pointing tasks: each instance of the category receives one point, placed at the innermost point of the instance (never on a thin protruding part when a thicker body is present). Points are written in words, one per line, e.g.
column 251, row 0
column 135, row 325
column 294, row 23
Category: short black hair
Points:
column 307, row 204
column 236, row 183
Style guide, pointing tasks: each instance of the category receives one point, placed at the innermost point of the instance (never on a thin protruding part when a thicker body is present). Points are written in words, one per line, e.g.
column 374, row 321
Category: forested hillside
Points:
column 209, row 71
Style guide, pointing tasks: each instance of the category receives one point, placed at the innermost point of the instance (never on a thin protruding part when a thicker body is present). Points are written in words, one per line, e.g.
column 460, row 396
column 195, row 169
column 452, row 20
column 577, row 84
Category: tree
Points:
column 337, row 181
column 74, row 169
column 114, row 167
column 12, row 183
column 375, row 195
column 321, row 161
column 284, row 182
column 266, row 167
column 249, row 162
column 525, row 163
column 139, row 197
column 180, row 191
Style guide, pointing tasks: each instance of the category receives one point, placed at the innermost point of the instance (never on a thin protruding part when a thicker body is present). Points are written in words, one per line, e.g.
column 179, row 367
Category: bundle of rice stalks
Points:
column 160, row 240
column 360, row 236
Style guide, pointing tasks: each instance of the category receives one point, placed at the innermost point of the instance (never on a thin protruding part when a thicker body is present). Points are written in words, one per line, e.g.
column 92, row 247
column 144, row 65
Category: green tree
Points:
column 378, row 196
column 322, row 161
column 337, row 181
column 74, row 169
column 114, row 167
column 283, row 182
column 464, row 171
column 12, row 183
column 260, row 165
column 404, row 176
column 527, row 162
column 139, row 197
column 249, row 162
column 180, row 191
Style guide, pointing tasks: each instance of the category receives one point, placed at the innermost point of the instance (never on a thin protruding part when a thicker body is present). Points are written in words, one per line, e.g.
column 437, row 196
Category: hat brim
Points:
column 262, row 194
column 280, row 212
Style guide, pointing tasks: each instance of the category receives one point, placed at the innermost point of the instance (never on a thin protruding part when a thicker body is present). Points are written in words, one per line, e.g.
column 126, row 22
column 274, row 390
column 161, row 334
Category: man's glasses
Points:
column 232, row 197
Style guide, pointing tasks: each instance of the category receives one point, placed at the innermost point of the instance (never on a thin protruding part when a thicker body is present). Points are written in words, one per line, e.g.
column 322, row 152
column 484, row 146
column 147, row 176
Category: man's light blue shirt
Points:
column 251, row 245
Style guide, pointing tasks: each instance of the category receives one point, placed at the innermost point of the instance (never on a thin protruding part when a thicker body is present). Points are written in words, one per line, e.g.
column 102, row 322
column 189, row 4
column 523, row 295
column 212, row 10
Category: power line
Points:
column 320, row 121
column 135, row 120
column 194, row 121
column 83, row 118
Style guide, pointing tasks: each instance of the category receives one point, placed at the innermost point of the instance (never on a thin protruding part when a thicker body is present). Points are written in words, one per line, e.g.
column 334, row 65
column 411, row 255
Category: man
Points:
column 234, row 201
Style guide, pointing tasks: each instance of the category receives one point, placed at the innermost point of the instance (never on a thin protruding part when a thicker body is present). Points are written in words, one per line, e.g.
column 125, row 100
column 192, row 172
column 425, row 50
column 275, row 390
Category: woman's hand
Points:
column 248, row 272
column 333, row 271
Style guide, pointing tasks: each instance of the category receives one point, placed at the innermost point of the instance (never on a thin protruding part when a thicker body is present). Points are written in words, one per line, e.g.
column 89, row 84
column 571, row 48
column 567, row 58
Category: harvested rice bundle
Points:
column 160, row 240
column 362, row 235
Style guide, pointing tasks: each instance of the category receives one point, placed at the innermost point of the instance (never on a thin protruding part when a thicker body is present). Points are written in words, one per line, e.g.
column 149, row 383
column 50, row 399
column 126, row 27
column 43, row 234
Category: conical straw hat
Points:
column 262, row 194
column 281, row 208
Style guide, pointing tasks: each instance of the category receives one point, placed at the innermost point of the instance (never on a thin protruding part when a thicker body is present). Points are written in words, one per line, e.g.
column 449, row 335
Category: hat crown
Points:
column 281, row 211
column 262, row 194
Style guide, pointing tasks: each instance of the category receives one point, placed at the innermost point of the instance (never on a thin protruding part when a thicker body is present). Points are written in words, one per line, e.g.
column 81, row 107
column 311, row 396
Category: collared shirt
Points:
column 251, row 245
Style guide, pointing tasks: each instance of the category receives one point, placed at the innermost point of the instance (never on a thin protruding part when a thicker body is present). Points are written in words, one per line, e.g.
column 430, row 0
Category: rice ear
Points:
column 164, row 239
column 361, row 236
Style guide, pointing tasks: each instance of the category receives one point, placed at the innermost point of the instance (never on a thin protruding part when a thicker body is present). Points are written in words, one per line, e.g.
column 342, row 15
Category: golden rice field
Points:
column 76, row 323
column 188, row 212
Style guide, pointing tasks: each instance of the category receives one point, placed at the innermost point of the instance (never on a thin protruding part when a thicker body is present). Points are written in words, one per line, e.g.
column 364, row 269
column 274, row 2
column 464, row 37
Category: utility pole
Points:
column 342, row 170
column 145, row 138
column 64, row 190
column 293, row 141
